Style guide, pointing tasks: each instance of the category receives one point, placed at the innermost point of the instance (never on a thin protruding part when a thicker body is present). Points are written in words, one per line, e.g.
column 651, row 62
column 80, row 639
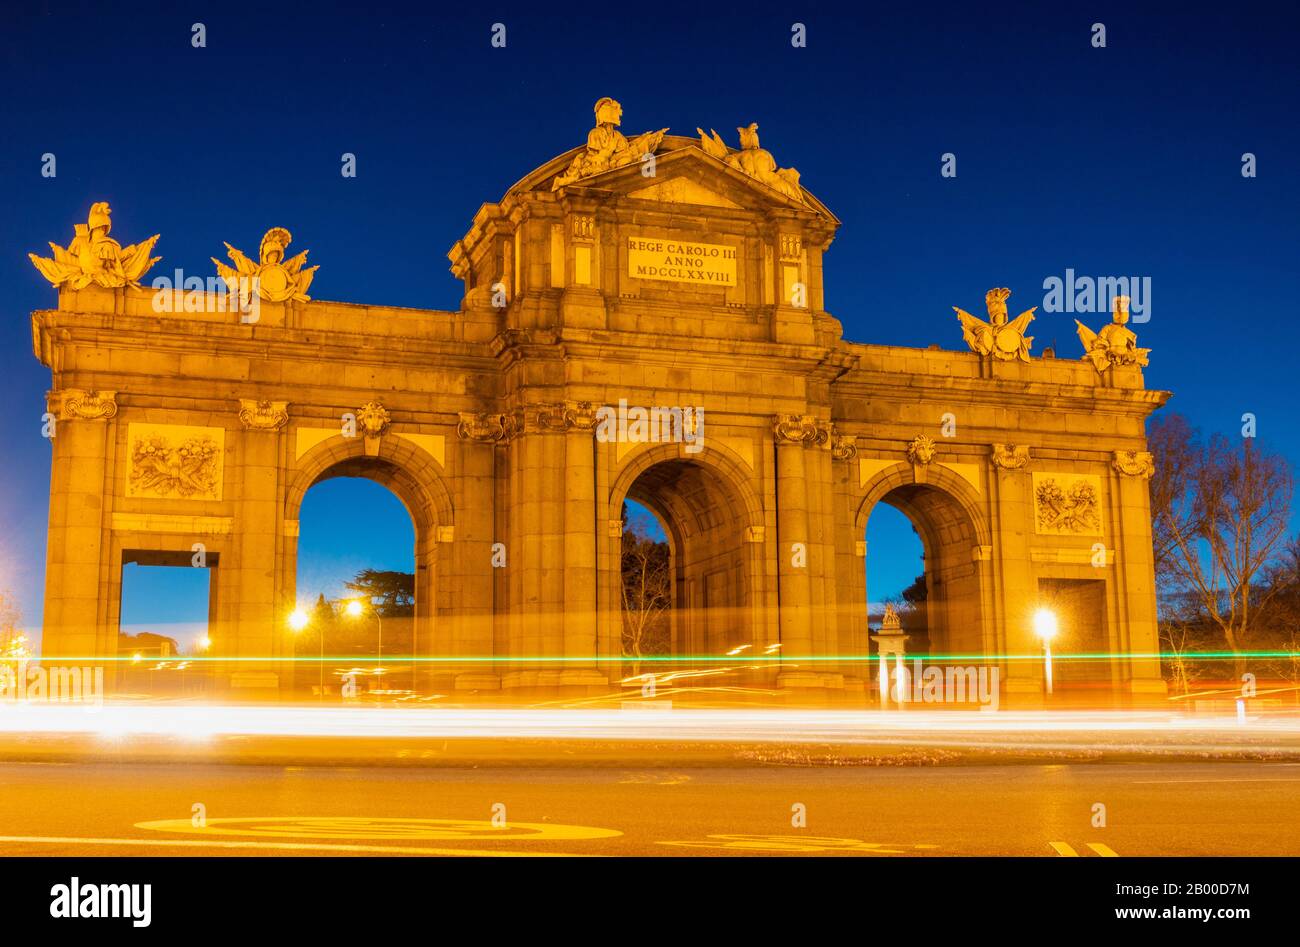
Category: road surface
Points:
column 1151, row 808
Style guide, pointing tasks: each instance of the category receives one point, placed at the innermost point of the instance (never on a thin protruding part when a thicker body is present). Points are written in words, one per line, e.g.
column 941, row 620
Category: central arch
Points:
column 712, row 521
column 415, row 478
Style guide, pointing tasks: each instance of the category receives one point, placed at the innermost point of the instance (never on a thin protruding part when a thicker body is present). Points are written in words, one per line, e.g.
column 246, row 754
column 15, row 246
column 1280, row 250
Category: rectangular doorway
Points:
column 165, row 620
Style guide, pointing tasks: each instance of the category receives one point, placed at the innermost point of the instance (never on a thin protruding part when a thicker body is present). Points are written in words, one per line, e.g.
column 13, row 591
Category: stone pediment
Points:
column 684, row 174
column 683, row 190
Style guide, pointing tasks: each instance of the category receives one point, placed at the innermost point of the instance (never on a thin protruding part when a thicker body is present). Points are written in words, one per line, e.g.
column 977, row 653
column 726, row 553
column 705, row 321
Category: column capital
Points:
column 844, row 446
column 71, row 404
column 263, row 415
column 1010, row 456
column 801, row 429
column 485, row 428
column 1134, row 463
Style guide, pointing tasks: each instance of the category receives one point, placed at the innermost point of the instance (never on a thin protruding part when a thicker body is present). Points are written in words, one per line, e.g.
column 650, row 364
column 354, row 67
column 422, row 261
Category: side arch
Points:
column 937, row 476
column 951, row 520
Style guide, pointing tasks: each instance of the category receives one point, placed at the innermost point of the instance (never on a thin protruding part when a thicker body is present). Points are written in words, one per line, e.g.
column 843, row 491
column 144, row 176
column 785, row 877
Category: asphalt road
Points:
column 1156, row 808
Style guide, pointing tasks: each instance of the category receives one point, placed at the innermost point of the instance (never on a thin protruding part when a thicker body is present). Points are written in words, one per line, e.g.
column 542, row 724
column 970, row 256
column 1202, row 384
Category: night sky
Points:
column 1117, row 161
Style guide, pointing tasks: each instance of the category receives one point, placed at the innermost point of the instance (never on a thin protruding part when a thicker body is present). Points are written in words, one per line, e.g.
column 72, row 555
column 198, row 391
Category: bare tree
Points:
column 647, row 593
column 1174, row 640
column 12, row 640
column 1284, row 613
column 13, row 643
column 1220, row 517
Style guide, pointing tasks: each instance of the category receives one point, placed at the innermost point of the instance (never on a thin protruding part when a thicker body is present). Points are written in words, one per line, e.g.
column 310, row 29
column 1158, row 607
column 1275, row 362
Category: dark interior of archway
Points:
column 705, row 521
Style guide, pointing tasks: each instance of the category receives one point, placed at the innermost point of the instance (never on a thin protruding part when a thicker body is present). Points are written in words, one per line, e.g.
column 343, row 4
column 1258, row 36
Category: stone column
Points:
column 581, row 623
column 1013, row 506
column 259, row 630
column 849, row 588
column 474, row 617
column 536, row 551
column 821, row 556
column 1135, row 571
column 792, row 433
column 75, row 571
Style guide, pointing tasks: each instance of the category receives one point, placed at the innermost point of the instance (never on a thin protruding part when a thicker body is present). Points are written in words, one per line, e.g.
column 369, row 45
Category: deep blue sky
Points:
column 1124, row 160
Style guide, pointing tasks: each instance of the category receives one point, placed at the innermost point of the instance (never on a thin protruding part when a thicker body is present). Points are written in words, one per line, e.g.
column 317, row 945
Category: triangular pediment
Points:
column 684, row 174
column 683, row 190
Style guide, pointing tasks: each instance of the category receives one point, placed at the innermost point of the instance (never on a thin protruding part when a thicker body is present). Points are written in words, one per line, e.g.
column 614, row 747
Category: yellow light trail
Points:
column 1064, row 730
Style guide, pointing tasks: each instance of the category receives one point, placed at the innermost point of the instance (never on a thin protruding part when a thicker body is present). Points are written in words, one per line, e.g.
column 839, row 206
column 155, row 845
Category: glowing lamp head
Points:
column 353, row 608
column 298, row 619
column 205, row 643
column 1045, row 624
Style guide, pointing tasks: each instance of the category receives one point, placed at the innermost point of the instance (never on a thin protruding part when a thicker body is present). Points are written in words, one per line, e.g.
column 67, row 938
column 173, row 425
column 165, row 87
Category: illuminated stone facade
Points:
column 686, row 277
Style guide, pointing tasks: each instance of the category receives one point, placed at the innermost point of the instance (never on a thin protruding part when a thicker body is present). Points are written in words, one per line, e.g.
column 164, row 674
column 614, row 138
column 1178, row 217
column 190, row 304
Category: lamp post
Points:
column 1045, row 627
column 204, row 644
column 299, row 620
column 354, row 609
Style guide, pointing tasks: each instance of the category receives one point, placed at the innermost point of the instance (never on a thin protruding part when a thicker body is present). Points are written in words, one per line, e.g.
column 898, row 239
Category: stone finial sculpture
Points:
column 607, row 148
column 754, row 161
column 95, row 257
column 276, row 278
column 999, row 338
column 1115, row 344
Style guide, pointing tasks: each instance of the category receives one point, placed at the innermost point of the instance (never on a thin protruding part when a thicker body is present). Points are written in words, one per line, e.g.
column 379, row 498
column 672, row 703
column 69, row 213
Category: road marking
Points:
column 280, row 846
column 1065, row 850
column 795, row 843
column 655, row 779
column 362, row 827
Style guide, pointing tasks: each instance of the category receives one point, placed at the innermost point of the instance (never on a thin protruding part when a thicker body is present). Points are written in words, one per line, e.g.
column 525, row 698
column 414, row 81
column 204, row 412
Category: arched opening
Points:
column 940, row 605
column 359, row 555
column 895, row 573
column 648, row 584
column 710, row 571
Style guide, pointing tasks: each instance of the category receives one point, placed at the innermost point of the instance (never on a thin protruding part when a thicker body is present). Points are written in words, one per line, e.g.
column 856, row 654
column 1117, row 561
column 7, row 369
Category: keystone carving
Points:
column 921, row 451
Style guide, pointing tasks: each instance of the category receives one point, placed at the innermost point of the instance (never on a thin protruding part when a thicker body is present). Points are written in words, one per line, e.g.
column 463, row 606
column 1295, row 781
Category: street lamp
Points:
column 299, row 620
column 354, row 609
column 1045, row 627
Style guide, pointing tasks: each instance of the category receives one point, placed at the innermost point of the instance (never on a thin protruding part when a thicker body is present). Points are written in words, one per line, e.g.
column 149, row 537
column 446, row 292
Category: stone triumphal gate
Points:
column 656, row 273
